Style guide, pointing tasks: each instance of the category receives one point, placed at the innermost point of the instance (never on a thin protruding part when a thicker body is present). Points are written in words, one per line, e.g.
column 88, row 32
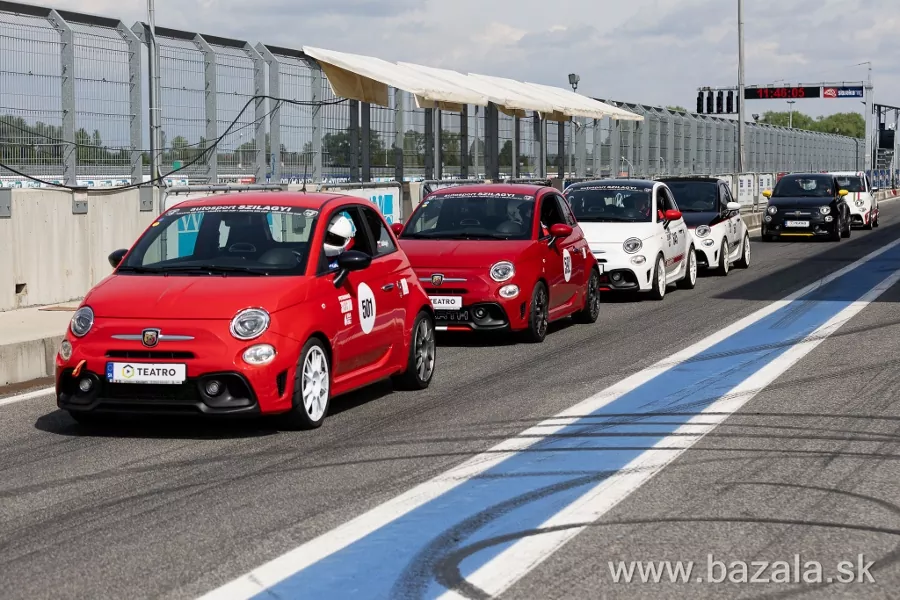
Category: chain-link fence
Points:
column 74, row 106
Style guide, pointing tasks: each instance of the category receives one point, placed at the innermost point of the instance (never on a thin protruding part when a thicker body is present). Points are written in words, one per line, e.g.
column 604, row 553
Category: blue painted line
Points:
column 398, row 560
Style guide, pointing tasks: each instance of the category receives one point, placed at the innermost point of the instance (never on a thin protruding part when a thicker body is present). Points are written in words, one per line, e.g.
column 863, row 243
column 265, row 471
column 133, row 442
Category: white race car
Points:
column 860, row 199
column 637, row 234
column 714, row 220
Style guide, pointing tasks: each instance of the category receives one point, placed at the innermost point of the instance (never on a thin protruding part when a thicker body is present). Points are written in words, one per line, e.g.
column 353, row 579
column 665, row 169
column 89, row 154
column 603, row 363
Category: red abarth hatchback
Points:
column 249, row 304
column 501, row 257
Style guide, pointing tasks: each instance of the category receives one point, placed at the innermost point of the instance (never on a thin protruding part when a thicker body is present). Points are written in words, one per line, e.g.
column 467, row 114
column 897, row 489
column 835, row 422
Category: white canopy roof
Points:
column 367, row 79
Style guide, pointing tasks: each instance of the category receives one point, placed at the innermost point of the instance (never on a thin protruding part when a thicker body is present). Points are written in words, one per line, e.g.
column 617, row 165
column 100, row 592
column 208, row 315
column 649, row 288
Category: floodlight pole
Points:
column 740, row 86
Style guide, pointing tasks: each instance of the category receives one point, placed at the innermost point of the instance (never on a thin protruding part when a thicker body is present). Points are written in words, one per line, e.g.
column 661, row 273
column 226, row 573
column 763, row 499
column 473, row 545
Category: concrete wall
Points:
column 50, row 255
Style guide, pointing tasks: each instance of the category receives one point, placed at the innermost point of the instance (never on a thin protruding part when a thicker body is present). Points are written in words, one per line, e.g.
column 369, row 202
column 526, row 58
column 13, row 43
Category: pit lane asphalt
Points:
column 173, row 510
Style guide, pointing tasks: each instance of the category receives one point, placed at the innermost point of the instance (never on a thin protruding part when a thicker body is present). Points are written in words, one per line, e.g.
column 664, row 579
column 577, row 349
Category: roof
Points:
column 312, row 200
column 367, row 79
column 640, row 183
column 490, row 188
column 690, row 178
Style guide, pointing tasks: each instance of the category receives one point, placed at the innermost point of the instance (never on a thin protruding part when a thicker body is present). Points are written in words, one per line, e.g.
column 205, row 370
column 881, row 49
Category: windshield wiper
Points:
column 211, row 268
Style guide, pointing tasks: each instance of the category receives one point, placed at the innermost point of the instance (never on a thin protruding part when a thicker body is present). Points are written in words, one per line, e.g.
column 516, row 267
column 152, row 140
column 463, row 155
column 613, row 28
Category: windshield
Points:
column 695, row 196
column 810, row 187
column 247, row 240
column 611, row 204
column 473, row 215
column 851, row 184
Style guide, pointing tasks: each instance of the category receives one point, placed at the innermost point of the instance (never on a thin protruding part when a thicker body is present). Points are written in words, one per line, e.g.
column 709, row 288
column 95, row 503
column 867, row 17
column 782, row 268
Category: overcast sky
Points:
column 648, row 51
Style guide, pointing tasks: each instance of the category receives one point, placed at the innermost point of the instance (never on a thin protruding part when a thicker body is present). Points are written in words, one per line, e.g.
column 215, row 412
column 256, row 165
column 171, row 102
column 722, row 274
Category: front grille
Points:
column 444, row 291
column 148, row 354
column 185, row 392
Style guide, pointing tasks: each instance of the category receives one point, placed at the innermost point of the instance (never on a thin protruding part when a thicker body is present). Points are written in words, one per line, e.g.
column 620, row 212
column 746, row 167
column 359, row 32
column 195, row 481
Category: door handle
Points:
column 388, row 287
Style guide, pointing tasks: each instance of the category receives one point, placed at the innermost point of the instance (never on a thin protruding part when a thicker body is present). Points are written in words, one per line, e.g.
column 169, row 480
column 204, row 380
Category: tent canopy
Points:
column 367, row 79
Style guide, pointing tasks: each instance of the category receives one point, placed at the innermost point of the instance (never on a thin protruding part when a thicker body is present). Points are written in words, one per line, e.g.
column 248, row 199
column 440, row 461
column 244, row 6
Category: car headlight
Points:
column 702, row 231
column 824, row 209
column 82, row 321
column 860, row 203
column 632, row 245
column 502, row 271
column 772, row 210
column 65, row 350
column 709, row 243
column 259, row 354
column 638, row 260
column 249, row 323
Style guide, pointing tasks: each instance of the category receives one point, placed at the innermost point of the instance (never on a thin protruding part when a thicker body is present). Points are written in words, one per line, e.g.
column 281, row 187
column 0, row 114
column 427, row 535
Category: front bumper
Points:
column 706, row 251
column 623, row 272
column 244, row 389
column 479, row 305
column 861, row 215
column 812, row 225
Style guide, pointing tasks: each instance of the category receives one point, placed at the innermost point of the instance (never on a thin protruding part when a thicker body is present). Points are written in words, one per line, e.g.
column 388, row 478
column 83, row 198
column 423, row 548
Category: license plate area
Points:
column 796, row 223
column 146, row 373
column 449, row 303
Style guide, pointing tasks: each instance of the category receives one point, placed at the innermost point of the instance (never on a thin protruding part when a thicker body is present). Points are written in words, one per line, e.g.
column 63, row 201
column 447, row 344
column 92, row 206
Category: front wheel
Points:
column 591, row 310
column 690, row 276
column 658, row 292
column 538, row 315
column 848, row 224
column 422, row 353
column 744, row 261
column 724, row 263
column 312, row 387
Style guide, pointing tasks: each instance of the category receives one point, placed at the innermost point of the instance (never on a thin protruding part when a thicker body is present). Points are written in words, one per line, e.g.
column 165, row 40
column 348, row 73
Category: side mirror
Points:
column 351, row 260
column 560, row 230
column 733, row 206
column 115, row 259
column 767, row 193
column 672, row 215
column 397, row 228
column 873, row 190
column 842, row 193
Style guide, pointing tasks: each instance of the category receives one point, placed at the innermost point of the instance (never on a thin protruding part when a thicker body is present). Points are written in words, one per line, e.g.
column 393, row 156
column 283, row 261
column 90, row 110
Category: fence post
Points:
column 134, row 101
column 212, row 123
column 275, row 117
column 259, row 89
column 464, row 142
column 67, row 84
column 316, row 87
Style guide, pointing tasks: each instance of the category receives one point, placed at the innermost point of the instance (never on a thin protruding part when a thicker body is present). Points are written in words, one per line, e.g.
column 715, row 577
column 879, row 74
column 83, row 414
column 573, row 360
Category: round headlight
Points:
column 825, row 210
column 259, row 354
column 632, row 245
column 860, row 203
column 772, row 210
column 502, row 271
column 638, row 260
column 65, row 350
column 82, row 321
column 702, row 231
column 249, row 323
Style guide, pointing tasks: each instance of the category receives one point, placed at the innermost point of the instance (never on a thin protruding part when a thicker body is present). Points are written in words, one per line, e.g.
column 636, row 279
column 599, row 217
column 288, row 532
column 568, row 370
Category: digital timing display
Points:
column 781, row 93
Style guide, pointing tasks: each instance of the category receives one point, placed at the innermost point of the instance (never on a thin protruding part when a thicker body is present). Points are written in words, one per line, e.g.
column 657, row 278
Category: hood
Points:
column 800, row 201
column 191, row 297
column 616, row 233
column 695, row 219
column 461, row 254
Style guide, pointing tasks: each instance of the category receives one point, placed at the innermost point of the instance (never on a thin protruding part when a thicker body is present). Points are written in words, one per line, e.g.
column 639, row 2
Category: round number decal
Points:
column 567, row 265
column 366, row 304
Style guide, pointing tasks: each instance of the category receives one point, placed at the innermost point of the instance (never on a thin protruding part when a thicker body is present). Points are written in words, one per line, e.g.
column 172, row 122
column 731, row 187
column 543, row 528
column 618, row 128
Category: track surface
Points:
column 173, row 511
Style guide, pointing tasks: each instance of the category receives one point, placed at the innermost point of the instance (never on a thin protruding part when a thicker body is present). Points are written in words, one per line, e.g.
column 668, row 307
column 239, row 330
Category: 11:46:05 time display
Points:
column 782, row 93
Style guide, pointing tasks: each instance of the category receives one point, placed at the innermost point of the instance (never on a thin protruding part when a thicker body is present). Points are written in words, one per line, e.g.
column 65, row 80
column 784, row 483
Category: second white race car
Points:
column 860, row 198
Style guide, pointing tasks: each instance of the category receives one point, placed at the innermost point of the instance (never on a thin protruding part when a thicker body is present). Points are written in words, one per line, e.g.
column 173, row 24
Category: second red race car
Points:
column 496, row 257
column 249, row 304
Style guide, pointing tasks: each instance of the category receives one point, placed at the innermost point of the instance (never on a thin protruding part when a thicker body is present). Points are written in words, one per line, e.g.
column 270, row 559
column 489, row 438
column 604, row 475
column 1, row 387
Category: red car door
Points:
column 559, row 261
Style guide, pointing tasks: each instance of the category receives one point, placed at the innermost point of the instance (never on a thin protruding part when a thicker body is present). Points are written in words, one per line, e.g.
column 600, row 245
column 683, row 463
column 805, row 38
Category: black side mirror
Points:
column 351, row 260
column 116, row 257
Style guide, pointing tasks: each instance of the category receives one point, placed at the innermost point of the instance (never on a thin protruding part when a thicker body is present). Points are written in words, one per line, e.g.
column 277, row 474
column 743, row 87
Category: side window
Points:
column 664, row 201
column 567, row 211
column 383, row 242
column 345, row 230
column 550, row 211
column 725, row 195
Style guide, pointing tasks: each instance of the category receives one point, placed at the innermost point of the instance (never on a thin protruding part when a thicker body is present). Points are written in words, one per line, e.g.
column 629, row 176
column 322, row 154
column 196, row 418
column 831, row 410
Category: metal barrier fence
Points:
column 73, row 106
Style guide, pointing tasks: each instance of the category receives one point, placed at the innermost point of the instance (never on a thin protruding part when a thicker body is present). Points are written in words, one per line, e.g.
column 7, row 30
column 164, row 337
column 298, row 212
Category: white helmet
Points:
column 338, row 235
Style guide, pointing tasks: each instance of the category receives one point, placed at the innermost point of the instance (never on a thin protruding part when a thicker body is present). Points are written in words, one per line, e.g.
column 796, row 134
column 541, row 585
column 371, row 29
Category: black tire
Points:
column 836, row 235
column 848, row 227
column 422, row 347
column 724, row 265
column 658, row 291
column 876, row 218
column 299, row 417
column 538, row 315
column 871, row 224
column 591, row 311
column 744, row 261
column 689, row 281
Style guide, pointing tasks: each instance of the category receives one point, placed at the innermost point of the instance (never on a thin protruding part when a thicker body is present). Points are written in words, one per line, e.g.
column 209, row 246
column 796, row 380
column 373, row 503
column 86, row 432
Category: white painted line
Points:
column 518, row 560
column 299, row 558
column 50, row 391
